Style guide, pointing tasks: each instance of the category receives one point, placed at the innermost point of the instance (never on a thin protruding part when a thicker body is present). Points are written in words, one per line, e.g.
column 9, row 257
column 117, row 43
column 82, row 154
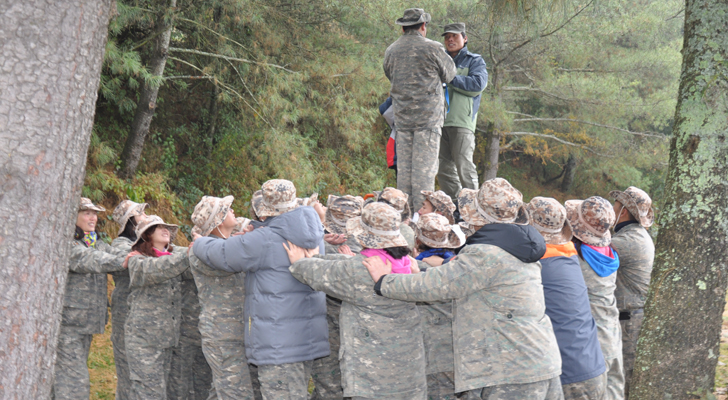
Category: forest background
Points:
column 580, row 99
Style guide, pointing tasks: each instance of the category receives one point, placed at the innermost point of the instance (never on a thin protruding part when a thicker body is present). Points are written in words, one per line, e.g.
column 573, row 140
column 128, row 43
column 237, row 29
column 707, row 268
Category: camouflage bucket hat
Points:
column 435, row 231
column 154, row 220
column 467, row 229
column 125, row 210
column 307, row 201
column 210, row 212
column 86, row 204
column 255, row 203
column 590, row 220
column 638, row 203
column 442, row 203
column 340, row 209
column 501, row 203
column 395, row 198
column 377, row 228
column 413, row 16
column 279, row 196
column 457, row 27
column 548, row 216
column 468, row 202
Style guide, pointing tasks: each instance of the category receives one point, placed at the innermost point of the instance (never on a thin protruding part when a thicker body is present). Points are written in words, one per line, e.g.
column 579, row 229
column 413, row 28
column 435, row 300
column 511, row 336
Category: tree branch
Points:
column 203, row 53
column 169, row 78
column 543, row 135
column 536, row 119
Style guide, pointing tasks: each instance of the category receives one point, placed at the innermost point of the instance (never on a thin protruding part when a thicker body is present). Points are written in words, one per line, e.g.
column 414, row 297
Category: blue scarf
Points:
column 444, row 253
column 601, row 264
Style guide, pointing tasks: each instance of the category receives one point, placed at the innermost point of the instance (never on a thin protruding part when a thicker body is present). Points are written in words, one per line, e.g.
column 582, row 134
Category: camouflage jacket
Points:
column 437, row 329
column 222, row 298
column 189, row 325
column 120, row 295
column 604, row 310
column 85, row 301
column 381, row 351
column 636, row 255
column 501, row 333
column 155, row 302
column 417, row 67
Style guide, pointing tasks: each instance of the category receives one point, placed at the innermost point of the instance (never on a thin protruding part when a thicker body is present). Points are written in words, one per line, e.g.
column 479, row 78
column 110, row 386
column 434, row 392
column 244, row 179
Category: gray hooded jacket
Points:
column 285, row 320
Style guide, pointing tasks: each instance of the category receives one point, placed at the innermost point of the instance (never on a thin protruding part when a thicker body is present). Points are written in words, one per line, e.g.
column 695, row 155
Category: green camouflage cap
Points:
column 125, row 210
column 154, row 220
column 435, row 231
column 279, row 196
column 86, row 204
column 442, row 203
column 591, row 219
column 548, row 217
column 340, row 209
column 210, row 212
column 377, row 228
column 457, row 27
column 413, row 16
column 638, row 202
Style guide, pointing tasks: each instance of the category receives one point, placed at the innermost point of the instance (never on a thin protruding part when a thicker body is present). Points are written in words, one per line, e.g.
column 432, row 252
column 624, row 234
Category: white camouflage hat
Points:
column 210, row 212
column 548, row 217
column 591, row 219
column 125, row 210
column 279, row 196
column 86, row 204
column 638, row 203
column 378, row 227
column 435, row 231
column 154, row 220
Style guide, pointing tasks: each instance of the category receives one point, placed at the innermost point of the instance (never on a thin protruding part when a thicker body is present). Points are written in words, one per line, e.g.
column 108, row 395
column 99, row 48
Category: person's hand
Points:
column 296, row 253
column 377, row 268
column 334, row 239
column 434, row 261
column 311, row 252
column 414, row 267
column 125, row 264
column 346, row 250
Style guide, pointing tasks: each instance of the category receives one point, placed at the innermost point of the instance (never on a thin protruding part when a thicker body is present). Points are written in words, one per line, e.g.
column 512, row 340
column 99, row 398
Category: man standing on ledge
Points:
column 457, row 170
column 417, row 67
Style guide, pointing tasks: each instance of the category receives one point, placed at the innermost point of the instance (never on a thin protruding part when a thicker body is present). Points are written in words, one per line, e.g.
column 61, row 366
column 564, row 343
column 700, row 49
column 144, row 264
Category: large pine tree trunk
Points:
column 569, row 172
column 51, row 54
column 491, row 153
column 147, row 99
column 678, row 347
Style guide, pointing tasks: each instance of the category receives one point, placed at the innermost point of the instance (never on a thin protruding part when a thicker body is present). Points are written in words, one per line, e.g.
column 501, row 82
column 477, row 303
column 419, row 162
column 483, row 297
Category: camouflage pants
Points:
column 457, row 169
column 119, row 311
column 630, row 331
column 190, row 377
column 615, row 379
column 549, row 389
column 149, row 368
column 326, row 372
column 231, row 376
column 441, row 386
column 285, row 381
column 71, row 379
column 590, row 389
column 417, row 153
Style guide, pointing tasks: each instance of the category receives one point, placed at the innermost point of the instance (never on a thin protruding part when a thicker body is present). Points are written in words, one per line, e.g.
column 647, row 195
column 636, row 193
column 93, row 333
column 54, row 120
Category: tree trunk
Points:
column 52, row 54
column 147, row 99
column 569, row 172
column 212, row 125
column 678, row 347
column 491, row 154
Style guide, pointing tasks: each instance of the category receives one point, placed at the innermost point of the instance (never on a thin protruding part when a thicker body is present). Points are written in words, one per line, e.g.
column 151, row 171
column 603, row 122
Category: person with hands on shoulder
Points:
column 382, row 353
column 503, row 341
column 155, row 306
column 84, row 303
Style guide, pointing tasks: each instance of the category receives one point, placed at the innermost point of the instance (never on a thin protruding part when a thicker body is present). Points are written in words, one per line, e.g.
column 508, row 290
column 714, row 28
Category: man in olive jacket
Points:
column 457, row 169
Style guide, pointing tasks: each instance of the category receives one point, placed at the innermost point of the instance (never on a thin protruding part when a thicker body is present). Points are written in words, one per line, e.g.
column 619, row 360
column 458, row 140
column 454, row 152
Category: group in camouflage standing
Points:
column 485, row 297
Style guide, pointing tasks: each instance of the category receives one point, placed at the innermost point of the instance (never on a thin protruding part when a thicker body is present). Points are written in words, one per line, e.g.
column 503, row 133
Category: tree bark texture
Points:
column 147, row 103
column 569, row 171
column 491, row 153
column 678, row 347
column 50, row 60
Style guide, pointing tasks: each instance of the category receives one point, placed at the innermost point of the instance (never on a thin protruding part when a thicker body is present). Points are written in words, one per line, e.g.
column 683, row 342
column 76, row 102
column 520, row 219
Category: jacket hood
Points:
column 301, row 227
column 521, row 241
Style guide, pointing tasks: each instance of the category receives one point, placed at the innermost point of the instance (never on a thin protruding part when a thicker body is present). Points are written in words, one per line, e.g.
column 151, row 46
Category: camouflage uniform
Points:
column 190, row 376
column 590, row 221
column 399, row 201
column 590, row 389
column 417, row 67
column 155, row 309
column 442, row 203
column 221, row 298
column 84, row 314
column 636, row 256
column 381, row 355
column 119, row 312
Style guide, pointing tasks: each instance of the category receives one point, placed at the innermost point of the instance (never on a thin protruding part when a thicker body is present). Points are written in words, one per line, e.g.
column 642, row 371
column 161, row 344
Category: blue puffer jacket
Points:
column 285, row 320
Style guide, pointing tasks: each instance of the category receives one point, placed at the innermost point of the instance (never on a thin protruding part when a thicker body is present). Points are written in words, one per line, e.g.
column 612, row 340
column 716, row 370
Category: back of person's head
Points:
column 590, row 220
column 397, row 199
column 278, row 197
column 378, row 228
column 339, row 210
column 434, row 232
column 548, row 217
column 442, row 204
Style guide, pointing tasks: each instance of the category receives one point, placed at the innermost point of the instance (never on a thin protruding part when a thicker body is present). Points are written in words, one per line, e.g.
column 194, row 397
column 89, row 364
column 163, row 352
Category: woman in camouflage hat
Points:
column 84, row 303
column 127, row 215
column 590, row 221
column 438, row 202
column 382, row 354
column 398, row 200
column 152, row 328
column 583, row 371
